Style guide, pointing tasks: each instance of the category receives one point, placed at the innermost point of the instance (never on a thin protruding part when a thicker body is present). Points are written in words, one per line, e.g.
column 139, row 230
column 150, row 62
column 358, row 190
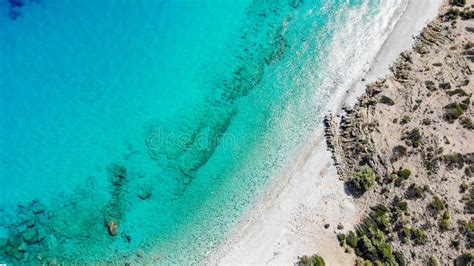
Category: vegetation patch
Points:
column 469, row 208
column 465, row 103
column 469, row 171
column 413, row 137
column 437, row 205
column 415, row 192
column 400, row 176
column 399, row 206
column 342, row 239
column 387, row 100
column 433, row 261
column 426, row 122
column 459, row 3
column 430, row 85
column 466, row 122
column 313, row 260
column 465, row 259
column 452, row 112
column 445, row 86
column 444, row 222
column 454, row 13
column 370, row 242
column 398, row 152
column 418, row 236
column 459, row 92
column 404, row 173
column 405, row 119
column 364, row 179
column 453, row 160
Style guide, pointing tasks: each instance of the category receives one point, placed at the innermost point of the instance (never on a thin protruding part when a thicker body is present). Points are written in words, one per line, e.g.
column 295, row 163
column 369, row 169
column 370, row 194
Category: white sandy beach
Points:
column 288, row 218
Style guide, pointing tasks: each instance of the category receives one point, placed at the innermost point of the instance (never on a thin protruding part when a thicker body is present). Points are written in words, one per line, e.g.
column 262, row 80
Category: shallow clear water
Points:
column 164, row 118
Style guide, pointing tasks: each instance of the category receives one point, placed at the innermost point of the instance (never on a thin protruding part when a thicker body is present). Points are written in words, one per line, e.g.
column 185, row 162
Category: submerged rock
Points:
column 38, row 208
column 112, row 227
column 145, row 192
column 50, row 242
column 30, row 236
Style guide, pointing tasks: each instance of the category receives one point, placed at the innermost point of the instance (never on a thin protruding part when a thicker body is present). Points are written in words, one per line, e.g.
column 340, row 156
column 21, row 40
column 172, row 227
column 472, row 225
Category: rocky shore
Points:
column 406, row 151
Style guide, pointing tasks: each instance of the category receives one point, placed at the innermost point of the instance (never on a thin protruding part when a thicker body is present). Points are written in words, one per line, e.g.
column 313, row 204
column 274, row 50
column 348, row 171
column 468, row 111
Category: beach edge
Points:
column 287, row 218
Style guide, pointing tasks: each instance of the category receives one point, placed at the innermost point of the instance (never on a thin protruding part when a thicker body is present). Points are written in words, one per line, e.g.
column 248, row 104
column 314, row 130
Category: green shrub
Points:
column 465, row 103
column 453, row 160
column 415, row 192
column 414, row 137
column 364, row 263
column 385, row 252
column 459, row 3
column 400, row 206
column 419, row 236
column 383, row 222
column 405, row 234
column 466, row 14
column 466, row 122
column 452, row 14
column 398, row 152
column 446, row 215
column 459, row 92
column 387, row 100
column 342, row 239
column 351, row 239
column 445, row 85
column 365, row 249
column 370, row 241
column 470, row 206
column 437, row 205
column 400, row 258
column 314, row 260
column 381, row 218
column 452, row 112
column 433, row 261
column 430, row 85
column 467, row 259
column 391, row 177
column 399, row 181
column 404, row 173
column 456, row 244
column 469, row 171
column 405, row 119
column 444, row 222
column 364, row 179
column 378, row 210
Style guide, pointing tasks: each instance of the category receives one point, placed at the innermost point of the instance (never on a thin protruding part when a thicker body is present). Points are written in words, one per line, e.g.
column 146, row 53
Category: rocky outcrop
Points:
column 413, row 131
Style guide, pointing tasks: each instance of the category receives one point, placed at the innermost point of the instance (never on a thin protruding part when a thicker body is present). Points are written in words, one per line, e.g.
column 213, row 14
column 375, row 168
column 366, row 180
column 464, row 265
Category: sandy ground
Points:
column 288, row 220
column 416, row 16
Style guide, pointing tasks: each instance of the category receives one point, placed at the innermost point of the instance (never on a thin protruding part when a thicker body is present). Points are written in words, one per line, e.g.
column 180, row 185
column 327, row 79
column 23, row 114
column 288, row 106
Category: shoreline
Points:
column 401, row 150
column 287, row 220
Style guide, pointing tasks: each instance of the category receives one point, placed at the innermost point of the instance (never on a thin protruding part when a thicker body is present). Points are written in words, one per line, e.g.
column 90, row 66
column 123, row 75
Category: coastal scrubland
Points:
column 406, row 152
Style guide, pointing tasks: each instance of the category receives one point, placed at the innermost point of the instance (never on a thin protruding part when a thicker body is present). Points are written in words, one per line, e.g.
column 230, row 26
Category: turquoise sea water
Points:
column 160, row 121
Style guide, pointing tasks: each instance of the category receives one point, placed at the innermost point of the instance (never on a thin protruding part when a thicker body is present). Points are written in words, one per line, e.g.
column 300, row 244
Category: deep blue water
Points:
column 164, row 118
